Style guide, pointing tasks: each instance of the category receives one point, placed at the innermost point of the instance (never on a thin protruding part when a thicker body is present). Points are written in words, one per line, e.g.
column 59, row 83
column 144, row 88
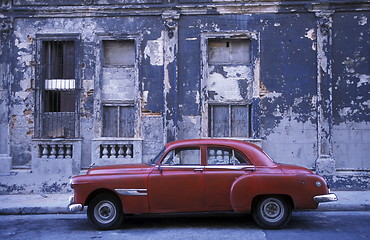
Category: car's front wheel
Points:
column 105, row 212
column 272, row 212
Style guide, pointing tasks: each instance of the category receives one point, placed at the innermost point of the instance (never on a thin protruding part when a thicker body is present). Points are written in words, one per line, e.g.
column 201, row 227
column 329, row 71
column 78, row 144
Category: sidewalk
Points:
column 57, row 203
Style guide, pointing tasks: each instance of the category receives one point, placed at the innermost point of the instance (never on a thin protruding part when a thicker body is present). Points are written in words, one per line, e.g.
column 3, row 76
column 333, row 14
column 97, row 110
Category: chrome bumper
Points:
column 331, row 197
column 74, row 207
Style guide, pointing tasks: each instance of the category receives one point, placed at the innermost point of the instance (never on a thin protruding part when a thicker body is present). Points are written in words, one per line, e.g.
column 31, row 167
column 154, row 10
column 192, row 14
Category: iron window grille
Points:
column 57, row 90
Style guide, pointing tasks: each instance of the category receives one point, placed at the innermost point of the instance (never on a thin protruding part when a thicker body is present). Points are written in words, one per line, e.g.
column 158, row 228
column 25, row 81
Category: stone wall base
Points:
column 5, row 165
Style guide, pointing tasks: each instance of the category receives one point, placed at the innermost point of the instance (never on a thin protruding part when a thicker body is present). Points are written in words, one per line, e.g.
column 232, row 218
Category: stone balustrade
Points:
column 56, row 150
column 116, row 150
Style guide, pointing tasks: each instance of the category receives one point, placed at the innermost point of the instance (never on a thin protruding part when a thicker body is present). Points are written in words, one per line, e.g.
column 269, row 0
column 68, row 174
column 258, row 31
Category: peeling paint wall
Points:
column 351, row 90
column 306, row 80
column 288, row 84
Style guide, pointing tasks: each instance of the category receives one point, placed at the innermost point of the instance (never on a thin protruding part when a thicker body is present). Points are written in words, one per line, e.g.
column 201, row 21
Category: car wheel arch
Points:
column 288, row 198
column 101, row 191
column 245, row 193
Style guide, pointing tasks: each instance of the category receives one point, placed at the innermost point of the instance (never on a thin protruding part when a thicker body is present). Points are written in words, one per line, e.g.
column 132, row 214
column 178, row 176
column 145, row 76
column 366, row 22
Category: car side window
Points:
column 182, row 156
column 225, row 156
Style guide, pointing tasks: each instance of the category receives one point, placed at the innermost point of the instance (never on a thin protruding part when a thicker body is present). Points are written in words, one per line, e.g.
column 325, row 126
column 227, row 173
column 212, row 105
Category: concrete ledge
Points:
column 34, row 204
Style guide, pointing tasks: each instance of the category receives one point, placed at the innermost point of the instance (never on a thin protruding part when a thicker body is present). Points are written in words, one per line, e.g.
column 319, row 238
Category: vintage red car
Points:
column 201, row 175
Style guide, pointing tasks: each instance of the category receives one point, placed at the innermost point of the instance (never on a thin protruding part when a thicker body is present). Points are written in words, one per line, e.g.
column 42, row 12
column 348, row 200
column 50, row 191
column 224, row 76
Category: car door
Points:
column 177, row 183
column 224, row 166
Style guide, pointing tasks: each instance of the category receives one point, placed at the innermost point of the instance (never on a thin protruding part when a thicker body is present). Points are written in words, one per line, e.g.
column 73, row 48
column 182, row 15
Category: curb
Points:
column 64, row 210
column 58, row 203
column 343, row 207
column 33, row 210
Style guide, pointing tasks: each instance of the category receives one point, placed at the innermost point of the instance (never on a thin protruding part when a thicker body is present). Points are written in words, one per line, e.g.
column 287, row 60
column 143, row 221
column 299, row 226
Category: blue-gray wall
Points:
column 310, row 76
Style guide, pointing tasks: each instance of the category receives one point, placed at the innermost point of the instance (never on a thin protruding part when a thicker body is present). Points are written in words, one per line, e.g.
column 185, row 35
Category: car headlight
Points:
column 70, row 183
column 318, row 184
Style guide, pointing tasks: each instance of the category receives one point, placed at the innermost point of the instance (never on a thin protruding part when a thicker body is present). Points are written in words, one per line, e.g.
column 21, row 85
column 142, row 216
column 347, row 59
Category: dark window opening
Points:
column 59, row 59
column 57, row 93
column 60, row 101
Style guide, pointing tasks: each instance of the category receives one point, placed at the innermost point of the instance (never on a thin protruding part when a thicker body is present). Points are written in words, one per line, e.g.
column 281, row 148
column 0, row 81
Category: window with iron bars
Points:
column 229, row 120
column 58, row 93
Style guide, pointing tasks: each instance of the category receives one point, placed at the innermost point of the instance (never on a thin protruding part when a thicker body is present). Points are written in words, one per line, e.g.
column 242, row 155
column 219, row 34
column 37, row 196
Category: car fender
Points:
column 243, row 190
column 246, row 188
column 131, row 190
column 299, row 189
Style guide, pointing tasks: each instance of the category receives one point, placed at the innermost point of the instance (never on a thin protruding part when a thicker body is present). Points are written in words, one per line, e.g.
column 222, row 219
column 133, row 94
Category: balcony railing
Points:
column 116, row 150
column 110, row 151
column 56, row 150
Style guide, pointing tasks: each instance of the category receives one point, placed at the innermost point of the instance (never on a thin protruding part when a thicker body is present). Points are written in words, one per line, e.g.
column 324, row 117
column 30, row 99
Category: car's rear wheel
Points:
column 272, row 212
column 105, row 212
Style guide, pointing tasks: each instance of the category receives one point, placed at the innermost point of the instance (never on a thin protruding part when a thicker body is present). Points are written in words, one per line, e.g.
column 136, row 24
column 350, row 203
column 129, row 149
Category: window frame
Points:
column 254, row 65
column 118, row 120
column 40, row 86
column 230, row 106
column 135, row 102
column 229, row 42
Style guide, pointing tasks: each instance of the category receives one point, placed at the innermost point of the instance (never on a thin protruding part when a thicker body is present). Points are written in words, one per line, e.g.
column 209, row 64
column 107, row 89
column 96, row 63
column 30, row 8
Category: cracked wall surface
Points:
column 306, row 80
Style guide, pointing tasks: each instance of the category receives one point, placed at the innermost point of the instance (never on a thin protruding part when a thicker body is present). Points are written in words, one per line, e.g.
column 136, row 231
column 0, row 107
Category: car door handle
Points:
column 198, row 169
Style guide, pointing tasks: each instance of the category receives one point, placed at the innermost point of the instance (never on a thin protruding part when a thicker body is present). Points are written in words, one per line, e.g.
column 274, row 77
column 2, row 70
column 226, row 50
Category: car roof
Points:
column 209, row 141
column 253, row 152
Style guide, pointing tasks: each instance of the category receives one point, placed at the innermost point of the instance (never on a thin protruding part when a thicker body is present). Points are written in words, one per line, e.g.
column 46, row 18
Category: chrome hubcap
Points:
column 105, row 212
column 272, row 210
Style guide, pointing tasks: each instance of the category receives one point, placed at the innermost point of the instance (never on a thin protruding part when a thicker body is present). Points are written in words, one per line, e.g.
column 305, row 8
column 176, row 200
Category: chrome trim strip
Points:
column 181, row 166
column 331, row 197
column 231, row 167
column 132, row 192
column 197, row 167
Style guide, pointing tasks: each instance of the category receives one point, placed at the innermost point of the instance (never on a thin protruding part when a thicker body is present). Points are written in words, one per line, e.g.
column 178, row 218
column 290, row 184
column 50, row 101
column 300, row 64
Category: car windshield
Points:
column 155, row 160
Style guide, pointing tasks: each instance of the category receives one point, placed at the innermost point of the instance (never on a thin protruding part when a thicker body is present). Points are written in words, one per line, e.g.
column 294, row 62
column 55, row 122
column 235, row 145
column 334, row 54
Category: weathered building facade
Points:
column 111, row 81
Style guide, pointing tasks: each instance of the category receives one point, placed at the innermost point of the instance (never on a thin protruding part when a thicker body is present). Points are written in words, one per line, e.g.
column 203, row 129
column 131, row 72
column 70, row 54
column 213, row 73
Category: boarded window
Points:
column 226, row 120
column 58, row 93
column 118, row 121
column 119, row 53
column 228, row 51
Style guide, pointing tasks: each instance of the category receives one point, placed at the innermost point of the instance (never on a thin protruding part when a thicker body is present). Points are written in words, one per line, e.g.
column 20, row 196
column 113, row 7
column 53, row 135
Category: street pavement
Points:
column 57, row 203
column 304, row 225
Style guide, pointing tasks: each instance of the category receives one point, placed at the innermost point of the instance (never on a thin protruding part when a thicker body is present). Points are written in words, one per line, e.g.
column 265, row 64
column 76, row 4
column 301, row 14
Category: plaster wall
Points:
column 308, row 82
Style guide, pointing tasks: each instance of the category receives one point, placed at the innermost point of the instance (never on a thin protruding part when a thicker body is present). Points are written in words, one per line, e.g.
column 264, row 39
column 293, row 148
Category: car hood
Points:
column 286, row 168
column 119, row 169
